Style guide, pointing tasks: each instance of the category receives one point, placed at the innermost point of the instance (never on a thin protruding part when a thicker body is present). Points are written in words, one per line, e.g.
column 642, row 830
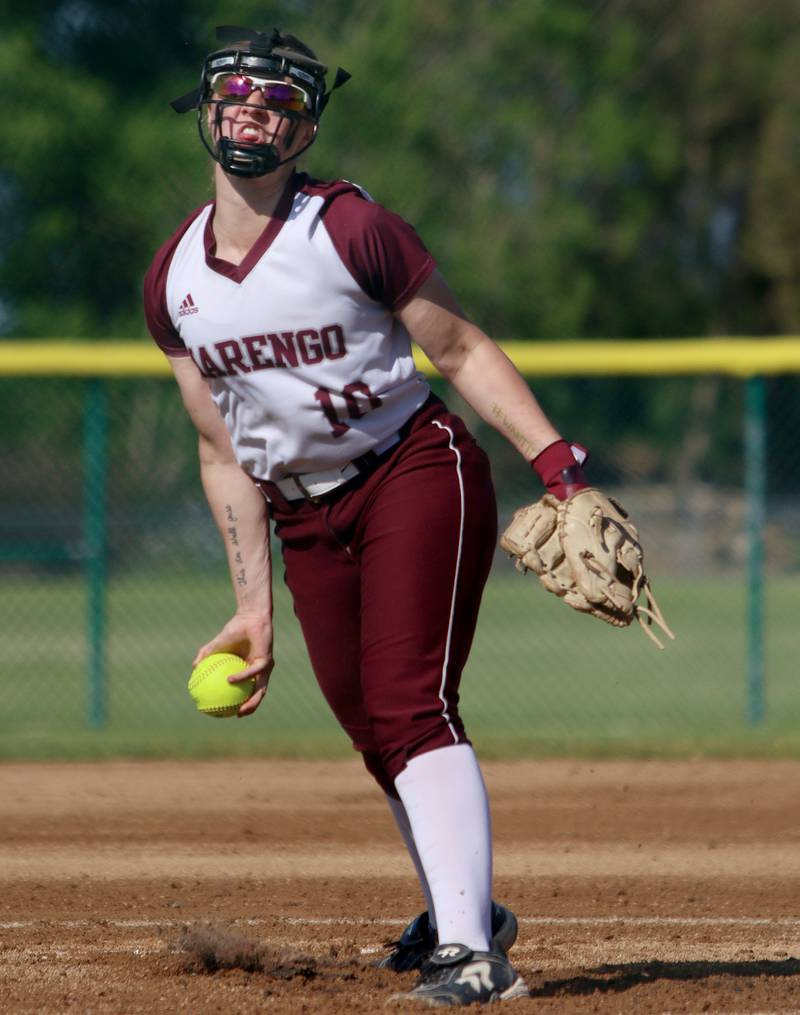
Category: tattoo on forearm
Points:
column 240, row 576
column 524, row 444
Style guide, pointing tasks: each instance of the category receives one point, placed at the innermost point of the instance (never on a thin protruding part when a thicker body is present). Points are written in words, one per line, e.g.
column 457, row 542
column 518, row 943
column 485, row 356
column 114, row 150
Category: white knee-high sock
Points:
column 400, row 816
column 445, row 800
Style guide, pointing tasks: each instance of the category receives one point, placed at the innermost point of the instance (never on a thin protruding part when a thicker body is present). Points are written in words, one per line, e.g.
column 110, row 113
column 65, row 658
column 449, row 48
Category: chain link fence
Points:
column 113, row 573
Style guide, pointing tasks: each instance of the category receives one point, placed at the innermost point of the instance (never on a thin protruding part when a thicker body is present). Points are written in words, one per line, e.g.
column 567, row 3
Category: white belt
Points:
column 315, row 484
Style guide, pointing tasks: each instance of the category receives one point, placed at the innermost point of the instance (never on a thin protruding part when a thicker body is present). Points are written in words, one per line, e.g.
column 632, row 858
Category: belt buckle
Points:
column 347, row 472
column 313, row 498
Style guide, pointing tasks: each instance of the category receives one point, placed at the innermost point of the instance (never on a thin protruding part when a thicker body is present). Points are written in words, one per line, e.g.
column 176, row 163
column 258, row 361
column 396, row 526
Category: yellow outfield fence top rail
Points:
column 739, row 357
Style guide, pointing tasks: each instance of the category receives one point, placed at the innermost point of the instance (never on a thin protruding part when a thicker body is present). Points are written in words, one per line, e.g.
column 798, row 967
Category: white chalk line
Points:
column 350, row 921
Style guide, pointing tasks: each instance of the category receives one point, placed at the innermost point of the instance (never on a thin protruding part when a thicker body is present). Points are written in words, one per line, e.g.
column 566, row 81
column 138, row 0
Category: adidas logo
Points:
column 187, row 307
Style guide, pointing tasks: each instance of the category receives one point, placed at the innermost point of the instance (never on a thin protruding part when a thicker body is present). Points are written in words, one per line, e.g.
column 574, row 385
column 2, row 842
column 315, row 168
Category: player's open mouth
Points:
column 250, row 132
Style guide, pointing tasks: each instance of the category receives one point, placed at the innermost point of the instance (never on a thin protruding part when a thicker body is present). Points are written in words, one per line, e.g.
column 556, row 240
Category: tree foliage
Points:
column 592, row 168
column 609, row 168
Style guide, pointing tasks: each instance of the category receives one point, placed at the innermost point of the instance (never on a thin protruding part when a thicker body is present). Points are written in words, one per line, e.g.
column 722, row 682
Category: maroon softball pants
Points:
column 386, row 577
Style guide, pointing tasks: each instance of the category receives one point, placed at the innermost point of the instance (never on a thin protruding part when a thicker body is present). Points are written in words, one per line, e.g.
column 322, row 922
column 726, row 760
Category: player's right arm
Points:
column 240, row 512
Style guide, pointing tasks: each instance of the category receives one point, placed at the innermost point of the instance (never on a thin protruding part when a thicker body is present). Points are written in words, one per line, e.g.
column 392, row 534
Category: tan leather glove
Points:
column 586, row 551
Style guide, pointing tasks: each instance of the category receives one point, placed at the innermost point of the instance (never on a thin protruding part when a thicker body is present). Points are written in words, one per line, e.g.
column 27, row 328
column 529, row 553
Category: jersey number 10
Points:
column 352, row 402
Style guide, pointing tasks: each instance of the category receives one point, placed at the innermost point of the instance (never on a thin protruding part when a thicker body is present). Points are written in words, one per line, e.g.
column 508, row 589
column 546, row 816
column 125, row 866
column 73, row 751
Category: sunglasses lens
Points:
column 275, row 93
column 285, row 96
column 231, row 86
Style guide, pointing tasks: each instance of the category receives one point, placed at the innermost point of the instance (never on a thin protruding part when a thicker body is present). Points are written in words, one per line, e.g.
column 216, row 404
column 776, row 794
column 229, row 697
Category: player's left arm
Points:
column 483, row 375
column 476, row 367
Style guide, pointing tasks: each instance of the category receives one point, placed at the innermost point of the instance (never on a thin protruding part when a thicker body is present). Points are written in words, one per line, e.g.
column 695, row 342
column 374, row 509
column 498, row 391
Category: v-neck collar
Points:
column 239, row 272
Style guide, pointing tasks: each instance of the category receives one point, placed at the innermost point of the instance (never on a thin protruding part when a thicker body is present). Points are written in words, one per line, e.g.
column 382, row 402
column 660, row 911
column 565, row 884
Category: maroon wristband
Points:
column 559, row 468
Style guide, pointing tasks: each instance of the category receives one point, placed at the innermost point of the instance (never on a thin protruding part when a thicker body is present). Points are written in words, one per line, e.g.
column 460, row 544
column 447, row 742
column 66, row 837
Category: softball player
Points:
column 287, row 307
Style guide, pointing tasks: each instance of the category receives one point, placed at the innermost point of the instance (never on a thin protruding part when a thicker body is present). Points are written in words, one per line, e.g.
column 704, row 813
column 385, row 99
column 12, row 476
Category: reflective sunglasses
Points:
column 277, row 94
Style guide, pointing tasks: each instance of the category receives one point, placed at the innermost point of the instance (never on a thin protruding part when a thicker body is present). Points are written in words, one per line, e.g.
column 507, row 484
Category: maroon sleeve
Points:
column 381, row 251
column 159, row 322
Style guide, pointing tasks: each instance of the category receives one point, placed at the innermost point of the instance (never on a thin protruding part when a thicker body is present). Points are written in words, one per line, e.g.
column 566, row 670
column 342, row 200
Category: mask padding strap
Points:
column 342, row 77
column 186, row 102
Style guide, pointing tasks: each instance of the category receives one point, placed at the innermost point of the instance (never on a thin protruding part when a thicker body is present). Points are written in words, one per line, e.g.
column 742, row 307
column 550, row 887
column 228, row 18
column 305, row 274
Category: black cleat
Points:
column 419, row 939
column 455, row 975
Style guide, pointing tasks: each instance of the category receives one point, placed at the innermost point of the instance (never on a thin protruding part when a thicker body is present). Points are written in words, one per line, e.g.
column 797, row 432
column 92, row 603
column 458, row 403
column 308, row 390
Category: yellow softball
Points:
column 209, row 687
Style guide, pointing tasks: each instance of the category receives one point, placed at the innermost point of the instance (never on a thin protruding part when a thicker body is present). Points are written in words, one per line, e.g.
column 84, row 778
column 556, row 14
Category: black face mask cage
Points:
column 270, row 56
column 240, row 158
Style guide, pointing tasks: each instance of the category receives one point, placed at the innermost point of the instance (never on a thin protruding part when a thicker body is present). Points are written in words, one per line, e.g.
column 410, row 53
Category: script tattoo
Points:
column 240, row 576
column 524, row 444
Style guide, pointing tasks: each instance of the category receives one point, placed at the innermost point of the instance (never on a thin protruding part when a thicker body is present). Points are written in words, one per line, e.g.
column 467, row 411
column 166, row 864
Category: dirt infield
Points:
column 265, row 886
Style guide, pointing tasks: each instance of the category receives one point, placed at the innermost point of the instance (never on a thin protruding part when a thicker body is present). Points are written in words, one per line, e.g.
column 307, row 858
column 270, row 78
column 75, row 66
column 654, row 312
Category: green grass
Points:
column 542, row 680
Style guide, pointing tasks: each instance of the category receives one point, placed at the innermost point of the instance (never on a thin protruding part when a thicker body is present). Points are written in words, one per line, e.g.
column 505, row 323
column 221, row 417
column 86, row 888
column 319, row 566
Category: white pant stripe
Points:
column 457, row 453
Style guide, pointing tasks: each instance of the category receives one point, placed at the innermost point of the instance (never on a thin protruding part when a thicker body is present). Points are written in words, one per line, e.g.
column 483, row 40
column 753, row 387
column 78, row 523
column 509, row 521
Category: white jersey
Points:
column 305, row 359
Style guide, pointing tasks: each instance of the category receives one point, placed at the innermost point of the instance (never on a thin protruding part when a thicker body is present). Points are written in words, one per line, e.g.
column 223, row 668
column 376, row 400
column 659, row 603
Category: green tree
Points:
column 579, row 169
